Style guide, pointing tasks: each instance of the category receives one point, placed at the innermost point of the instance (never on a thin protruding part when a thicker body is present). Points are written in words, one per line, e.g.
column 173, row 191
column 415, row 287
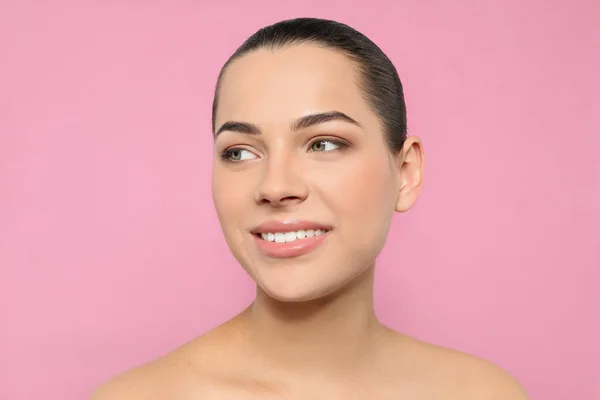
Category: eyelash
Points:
column 226, row 154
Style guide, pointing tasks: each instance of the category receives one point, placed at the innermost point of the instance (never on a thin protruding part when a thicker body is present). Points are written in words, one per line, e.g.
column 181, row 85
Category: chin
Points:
column 298, row 290
column 293, row 296
column 306, row 281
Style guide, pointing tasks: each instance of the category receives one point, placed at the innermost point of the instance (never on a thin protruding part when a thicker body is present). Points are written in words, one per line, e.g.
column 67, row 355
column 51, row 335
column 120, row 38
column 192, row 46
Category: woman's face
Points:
column 303, row 182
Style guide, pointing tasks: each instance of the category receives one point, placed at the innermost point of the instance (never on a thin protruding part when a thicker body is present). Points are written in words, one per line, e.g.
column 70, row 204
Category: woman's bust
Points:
column 312, row 160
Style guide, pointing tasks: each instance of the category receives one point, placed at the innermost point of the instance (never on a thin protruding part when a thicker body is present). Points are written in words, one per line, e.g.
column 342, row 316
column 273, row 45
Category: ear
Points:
column 410, row 163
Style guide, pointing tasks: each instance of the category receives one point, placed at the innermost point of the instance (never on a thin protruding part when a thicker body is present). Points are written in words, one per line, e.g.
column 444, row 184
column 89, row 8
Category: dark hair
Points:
column 379, row 81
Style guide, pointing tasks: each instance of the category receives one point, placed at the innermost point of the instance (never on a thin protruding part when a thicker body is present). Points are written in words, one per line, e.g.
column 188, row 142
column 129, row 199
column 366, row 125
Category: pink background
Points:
column 110, row 251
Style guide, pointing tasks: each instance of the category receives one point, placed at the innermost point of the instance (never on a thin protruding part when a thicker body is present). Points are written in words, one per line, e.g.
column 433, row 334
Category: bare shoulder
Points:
column 181, row 374
column 136, row 384
column 464, row 375
column 481, row 379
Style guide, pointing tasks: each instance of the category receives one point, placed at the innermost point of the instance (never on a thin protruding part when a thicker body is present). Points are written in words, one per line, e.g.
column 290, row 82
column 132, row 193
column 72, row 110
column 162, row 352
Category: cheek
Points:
column 361, row 189
column 229, row 196
column 361, row 197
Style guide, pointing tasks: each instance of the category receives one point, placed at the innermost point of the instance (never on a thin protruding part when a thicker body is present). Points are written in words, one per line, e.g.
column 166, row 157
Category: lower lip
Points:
column 296, row 248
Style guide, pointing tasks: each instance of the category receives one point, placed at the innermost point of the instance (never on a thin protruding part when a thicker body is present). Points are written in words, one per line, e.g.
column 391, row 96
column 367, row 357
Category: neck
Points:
column 330, row 333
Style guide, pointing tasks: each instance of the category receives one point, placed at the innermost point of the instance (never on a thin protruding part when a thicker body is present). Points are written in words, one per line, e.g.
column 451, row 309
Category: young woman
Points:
column 311, row 162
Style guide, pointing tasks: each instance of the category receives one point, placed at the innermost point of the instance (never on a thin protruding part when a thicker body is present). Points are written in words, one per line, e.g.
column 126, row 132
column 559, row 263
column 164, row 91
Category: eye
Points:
column 323, row 145
column 237, row 155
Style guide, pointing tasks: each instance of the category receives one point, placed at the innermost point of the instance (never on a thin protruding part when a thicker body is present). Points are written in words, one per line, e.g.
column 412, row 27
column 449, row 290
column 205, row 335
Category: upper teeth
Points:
column 286, row 237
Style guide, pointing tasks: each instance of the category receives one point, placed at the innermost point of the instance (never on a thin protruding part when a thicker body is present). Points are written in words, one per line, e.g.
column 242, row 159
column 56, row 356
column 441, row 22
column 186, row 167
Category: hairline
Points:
column 361, row 79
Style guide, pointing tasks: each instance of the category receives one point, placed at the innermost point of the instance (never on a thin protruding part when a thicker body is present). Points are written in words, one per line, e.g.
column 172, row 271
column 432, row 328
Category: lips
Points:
column 289, row 239
column 288, row 226
column 292, row 236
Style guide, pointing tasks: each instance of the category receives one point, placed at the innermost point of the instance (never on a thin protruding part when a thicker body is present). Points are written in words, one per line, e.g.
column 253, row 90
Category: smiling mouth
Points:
column 291, row 236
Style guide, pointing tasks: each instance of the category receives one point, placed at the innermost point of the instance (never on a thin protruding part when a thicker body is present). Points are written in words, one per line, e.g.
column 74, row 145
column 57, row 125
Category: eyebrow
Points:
column 299, row 124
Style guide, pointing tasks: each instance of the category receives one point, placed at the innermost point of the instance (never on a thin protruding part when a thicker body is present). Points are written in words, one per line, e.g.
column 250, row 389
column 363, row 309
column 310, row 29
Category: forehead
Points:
column 276, row 86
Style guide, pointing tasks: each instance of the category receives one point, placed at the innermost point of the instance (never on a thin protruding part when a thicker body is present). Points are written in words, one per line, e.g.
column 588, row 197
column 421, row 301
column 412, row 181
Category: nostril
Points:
column 283, row 200
column 290, row 198
column 282, row 192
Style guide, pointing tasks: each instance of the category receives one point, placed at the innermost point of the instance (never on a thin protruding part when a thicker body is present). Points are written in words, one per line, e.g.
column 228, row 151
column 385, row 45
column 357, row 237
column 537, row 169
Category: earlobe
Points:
column 410, row 165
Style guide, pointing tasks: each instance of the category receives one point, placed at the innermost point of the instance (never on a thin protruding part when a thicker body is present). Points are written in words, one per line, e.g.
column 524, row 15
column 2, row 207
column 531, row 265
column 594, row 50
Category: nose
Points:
column 281, row 185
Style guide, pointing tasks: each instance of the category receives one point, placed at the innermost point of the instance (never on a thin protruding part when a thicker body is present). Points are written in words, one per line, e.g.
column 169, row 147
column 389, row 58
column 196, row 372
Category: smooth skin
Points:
column 312, row 332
